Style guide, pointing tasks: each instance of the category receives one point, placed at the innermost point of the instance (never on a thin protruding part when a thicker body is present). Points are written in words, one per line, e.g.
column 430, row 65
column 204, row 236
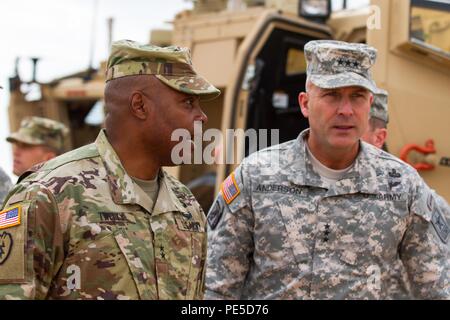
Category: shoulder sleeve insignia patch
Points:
column 230, row 189
column 10, row 217
column 6, row 242
column 214, row 214
column 441, row 226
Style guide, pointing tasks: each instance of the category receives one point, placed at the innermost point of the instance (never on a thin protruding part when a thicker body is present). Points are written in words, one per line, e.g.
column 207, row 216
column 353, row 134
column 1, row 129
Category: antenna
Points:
column 93, row 29
column 34, row 61
column 110, row 23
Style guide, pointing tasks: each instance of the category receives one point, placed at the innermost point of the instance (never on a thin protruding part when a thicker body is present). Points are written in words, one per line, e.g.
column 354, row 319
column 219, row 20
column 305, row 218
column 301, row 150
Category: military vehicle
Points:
column 253, row 52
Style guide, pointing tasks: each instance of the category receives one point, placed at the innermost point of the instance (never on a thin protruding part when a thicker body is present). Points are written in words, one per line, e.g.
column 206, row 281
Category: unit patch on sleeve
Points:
column 440, row 225
column 6, row 243
column 13, row 225
column 230, row 189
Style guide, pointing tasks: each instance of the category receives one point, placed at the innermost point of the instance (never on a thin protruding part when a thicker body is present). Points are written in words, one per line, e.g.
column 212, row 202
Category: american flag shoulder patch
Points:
column 10, row 217
column 230, row 189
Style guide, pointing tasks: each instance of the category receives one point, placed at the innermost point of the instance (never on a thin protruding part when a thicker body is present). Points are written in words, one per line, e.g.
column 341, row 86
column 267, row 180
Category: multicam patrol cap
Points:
column 336, row 64
column 379, row 108
column 172, row 65
column 41, row 131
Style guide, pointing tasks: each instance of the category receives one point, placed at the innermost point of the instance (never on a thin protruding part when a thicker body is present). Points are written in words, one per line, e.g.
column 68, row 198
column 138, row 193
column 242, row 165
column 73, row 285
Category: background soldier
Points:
column 337, row 218
column 377, row 131
column 5, row 186
column 38, row 140
column 105, row 221
column 376, row 135
column 5, row 183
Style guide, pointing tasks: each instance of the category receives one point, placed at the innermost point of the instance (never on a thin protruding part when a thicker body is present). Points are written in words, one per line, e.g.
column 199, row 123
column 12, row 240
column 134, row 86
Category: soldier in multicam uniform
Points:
column 37, row 140
column 336, row 218
column 105, row 221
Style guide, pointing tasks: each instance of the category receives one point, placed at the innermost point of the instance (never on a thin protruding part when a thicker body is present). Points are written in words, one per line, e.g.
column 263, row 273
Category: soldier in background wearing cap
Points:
column 105, row 221
column 376, row 135
column 37, row 140
column 337, row 218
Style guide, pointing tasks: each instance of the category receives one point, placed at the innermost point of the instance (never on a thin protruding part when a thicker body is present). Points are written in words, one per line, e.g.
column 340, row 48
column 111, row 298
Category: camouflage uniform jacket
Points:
column 288, row 235
column 442, row 205
column 87, row 231
column 5, row 185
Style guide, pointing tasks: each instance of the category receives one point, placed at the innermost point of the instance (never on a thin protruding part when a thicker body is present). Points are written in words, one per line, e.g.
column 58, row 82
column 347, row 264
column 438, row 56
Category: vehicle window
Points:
column 296, row 63
column 430, row 25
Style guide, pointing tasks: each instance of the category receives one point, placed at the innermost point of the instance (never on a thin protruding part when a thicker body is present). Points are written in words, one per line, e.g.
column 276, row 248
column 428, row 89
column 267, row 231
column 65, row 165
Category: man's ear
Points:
column 49, row 155
column 139, row 105
column 303, row 100
column 380, row 137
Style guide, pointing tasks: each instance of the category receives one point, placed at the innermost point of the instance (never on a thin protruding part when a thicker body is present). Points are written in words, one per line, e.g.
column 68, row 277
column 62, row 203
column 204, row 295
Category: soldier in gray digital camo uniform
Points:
column 327, row 216
column 5, row 185
column 376, row 135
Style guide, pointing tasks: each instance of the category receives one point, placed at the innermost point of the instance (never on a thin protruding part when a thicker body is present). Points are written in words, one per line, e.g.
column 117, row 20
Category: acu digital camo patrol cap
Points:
column 41, row 131
column 336, row 64
column 379, row 108
column 171, row 65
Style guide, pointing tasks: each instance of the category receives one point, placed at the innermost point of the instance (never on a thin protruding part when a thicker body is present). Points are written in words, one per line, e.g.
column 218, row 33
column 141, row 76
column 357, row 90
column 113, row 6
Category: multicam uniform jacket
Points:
column 87, row 231
column 281, row 232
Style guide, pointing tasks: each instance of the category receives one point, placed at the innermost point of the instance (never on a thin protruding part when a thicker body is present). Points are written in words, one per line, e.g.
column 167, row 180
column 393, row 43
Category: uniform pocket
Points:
column 140, row 259
column 179, row 255
column 108, row 267
column 298, row 223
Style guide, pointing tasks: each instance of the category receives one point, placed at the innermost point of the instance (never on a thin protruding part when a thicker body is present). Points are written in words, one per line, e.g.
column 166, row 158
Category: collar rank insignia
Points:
column 10, row 217
column 230, row 189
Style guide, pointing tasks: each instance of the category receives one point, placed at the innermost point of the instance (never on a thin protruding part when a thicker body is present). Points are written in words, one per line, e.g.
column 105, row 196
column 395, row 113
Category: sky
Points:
column 60, row 33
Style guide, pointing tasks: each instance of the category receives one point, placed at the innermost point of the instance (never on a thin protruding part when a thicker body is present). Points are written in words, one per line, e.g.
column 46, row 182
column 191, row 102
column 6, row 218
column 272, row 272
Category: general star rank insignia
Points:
column 230, row 189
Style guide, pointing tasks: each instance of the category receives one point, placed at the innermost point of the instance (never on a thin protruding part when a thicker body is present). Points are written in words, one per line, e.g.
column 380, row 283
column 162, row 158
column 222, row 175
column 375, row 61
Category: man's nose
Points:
column 345, row 107
column 201, row 116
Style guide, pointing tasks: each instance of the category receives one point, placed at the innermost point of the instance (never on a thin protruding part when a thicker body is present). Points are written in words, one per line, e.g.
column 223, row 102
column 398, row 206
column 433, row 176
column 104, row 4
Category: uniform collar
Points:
column 360, row 178
column 125, row 191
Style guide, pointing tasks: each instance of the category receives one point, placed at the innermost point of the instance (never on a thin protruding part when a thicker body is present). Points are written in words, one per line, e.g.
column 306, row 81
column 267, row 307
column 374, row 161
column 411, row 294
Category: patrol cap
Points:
column 172, row 65
column 41, row 131
column 335, row 64
column 379, row 108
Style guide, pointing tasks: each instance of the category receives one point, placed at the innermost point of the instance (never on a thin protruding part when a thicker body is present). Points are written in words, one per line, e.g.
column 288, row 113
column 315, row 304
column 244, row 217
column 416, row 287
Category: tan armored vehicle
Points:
column 253, row 52
column 69, row 99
